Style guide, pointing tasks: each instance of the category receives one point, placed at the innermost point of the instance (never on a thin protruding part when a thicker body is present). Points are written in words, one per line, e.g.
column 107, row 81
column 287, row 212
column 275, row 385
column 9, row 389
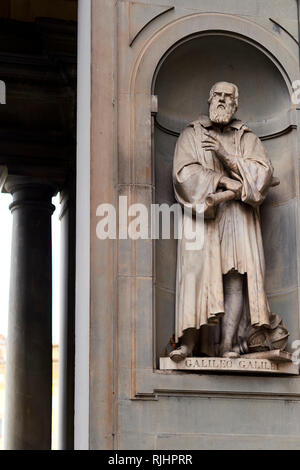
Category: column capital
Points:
column 30, row 192
column 16, row 183
column 3, row 176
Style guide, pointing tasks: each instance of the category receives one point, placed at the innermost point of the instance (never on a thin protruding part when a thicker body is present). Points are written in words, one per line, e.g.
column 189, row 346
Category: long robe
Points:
column 232, row 238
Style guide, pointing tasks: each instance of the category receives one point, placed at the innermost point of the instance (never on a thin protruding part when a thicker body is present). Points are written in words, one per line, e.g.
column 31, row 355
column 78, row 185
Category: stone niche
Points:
column 181, row 83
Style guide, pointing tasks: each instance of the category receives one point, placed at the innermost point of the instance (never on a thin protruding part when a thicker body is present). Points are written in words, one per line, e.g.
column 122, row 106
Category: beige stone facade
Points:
column 174, row 49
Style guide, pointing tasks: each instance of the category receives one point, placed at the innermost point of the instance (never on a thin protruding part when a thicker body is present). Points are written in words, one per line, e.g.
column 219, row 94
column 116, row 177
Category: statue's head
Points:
column 223, row 102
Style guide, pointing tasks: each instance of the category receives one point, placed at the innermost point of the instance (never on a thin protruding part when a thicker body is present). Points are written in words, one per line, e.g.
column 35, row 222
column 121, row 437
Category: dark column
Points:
column 67, row 320
column 29, row 354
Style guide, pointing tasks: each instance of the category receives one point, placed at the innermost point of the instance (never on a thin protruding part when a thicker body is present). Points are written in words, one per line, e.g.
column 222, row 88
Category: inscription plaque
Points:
column 241, row 364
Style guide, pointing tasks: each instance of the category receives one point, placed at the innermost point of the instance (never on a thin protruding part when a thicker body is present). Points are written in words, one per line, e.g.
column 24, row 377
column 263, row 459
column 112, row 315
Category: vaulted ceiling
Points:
column 29, row 10
column 38, row 62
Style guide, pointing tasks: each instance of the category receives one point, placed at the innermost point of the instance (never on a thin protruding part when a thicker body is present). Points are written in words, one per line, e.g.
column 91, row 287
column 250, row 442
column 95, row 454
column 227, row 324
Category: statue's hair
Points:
column 236, row 91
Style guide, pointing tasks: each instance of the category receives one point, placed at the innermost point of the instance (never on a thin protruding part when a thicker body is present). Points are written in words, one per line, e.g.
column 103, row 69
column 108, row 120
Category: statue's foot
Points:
column 179, row 354
column 231, row 354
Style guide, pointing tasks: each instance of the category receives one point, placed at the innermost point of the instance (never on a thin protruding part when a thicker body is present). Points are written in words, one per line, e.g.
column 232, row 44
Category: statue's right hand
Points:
column 231, row 185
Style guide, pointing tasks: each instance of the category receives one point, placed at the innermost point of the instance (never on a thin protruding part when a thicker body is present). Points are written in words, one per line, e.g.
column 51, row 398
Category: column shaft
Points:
column 67, row 320
column 29, row 354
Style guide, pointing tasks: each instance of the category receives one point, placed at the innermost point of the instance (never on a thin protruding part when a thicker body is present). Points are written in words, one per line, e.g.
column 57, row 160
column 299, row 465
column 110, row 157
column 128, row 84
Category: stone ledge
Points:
column 258, row 365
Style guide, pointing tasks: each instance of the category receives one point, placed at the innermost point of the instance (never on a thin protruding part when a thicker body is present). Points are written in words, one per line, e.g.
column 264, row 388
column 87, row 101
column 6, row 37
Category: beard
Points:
column 221, row 113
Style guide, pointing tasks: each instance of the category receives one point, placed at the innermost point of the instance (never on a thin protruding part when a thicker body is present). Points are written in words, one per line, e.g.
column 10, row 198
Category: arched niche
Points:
column 152, row 316
column 181, row 83
column 186, row 75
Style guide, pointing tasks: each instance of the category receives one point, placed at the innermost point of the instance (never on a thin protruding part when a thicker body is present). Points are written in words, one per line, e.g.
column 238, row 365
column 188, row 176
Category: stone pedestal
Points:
column 271, row 362
column 29, row 355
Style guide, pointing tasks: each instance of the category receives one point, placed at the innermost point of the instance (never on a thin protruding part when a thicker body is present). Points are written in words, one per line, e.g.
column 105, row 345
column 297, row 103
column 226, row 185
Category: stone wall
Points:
column 176, row 49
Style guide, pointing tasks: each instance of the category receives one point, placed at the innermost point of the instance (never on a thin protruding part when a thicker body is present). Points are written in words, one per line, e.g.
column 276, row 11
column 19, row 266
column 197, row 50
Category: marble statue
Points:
column 221, row 304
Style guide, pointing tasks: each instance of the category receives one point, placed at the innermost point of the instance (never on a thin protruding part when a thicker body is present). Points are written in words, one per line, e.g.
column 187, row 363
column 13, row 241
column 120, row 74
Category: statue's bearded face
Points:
column 223, row 104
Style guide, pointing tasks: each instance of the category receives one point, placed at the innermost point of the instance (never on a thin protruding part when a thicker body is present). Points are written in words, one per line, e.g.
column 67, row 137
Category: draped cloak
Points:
column 232, row 235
